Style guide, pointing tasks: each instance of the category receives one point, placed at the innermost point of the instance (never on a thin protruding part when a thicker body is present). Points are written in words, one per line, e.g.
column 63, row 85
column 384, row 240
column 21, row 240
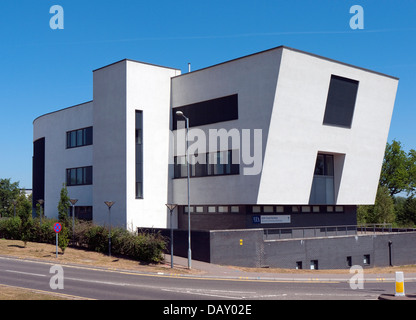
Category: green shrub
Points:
column 140, row 246
column 63, row 238
column 97, row 239
column 10, row 228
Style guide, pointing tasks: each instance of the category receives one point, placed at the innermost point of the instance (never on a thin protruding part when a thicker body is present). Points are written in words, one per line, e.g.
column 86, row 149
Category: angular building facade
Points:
column 280, row 138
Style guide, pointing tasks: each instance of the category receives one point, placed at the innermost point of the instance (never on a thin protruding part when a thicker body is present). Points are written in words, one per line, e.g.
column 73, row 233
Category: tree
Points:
column 63, row 205
column 8, row 192
column 408, row 215
column 382, row 211
column 398, row 172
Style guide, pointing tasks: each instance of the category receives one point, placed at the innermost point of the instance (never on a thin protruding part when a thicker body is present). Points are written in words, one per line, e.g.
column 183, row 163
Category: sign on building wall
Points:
column 270, row 219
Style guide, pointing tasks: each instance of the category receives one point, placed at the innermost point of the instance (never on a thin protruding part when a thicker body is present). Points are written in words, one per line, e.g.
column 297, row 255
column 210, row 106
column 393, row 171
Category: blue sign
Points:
column 256, row 219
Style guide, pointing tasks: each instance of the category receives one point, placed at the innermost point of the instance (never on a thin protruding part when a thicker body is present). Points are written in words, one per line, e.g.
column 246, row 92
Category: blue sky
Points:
column 43, row 70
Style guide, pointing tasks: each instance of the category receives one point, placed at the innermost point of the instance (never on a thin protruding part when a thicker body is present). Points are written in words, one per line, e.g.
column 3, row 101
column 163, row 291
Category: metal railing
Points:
column 309, row 232
column 330, row 231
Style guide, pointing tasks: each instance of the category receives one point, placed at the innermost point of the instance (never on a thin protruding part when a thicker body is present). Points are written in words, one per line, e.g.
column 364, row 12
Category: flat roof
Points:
column 52, row 112
column 136, row 61
column 296, row 50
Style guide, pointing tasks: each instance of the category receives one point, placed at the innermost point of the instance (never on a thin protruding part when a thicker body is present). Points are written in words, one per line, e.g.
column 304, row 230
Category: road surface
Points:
column 82, row 282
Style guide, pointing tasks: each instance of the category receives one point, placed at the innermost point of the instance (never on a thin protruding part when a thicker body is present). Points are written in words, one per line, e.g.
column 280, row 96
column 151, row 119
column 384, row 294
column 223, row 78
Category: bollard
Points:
column 399, row 284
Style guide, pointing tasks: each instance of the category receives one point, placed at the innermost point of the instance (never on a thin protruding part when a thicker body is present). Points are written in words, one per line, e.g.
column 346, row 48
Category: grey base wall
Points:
column 248, row 248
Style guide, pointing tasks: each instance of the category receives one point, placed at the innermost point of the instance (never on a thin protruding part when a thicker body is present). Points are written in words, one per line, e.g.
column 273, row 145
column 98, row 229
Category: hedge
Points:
column 142, row 246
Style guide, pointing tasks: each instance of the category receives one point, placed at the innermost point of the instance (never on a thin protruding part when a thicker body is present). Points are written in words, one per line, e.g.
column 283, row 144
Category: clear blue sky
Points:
column 43, row 70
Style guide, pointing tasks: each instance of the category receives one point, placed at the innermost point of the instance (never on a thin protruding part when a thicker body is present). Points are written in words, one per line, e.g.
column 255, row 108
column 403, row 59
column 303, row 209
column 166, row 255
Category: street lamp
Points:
column 109, row 205
column 41, row 202
column 180, row 113
column 73, row 202
column 171, row 207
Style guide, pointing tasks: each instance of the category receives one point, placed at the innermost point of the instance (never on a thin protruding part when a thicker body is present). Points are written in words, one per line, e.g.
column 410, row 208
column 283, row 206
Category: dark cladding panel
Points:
column 38, row 171
column 208, row 112
column 340, row 103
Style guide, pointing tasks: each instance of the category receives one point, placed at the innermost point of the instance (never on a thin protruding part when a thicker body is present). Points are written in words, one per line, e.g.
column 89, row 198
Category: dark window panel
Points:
column 208, row 112
column 139, row 154
column 217, row 163
column 79, row 138
column 340, row 103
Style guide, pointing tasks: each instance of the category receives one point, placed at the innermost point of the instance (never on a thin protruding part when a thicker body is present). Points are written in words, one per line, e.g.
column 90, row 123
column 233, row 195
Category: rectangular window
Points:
column 208, row 112
column 366, row 259
column 82, row 213
column 139, row 154
column 79, row 138
column 322, row 191
column 324, row 165
column 306, row 209
column 340, row 103
column 217, row 163
column 79, row 176
column 268, row 209
column 235, row 209
column 280, row 209
column 256, row 209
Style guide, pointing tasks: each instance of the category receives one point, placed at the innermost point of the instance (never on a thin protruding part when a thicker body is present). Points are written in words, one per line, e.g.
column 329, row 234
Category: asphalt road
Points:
column 103, row 284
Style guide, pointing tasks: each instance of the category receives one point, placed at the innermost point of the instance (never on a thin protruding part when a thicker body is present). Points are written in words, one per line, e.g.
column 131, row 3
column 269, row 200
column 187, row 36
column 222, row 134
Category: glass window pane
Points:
column 339, row 209
column 73, row 174
column 79, row 173
column 211, row 209
column 88, row 175
column 79, row 138
column 219, row 167
column 329, row 165
column 88, row 136
column 319, row 167
column 306, row 209
column 138, row 136
column 268, row 209
column 73, row 139
column 222, row 209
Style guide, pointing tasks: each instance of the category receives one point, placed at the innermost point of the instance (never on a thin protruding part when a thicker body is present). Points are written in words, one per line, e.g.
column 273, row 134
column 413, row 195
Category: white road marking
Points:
column 26, row 273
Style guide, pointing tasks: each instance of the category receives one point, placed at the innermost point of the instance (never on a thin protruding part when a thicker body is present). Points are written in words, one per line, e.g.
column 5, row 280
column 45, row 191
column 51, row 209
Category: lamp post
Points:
column 109, row 205
column 73, row 202
column 41, row 202
column 180, row 113
column 171, row 207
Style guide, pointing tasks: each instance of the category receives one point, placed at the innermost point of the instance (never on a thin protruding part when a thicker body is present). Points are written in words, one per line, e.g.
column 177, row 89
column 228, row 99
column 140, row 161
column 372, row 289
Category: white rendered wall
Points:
column 119, row 90
column 284, row 95
column 296, row 132
column 148, row 90
column 109, row 171
column 254, row 79
column 53, row 127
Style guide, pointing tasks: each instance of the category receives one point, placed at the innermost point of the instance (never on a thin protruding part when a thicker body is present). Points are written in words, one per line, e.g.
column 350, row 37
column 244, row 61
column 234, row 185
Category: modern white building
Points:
column 277, row 138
